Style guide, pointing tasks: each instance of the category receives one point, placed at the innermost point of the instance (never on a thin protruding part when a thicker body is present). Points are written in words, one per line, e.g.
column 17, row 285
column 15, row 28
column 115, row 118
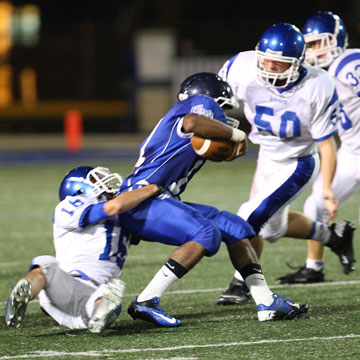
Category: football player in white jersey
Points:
column 293, row 110
column 80, row 287
column 326, row 39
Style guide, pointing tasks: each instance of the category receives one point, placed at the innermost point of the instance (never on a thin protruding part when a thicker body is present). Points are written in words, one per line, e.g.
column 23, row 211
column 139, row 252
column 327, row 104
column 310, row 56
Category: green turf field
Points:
column 331, row 331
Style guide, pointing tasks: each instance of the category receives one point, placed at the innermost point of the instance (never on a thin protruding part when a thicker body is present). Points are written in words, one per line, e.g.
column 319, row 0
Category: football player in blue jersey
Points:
column 293, row 110
column 80, row 287
column 327, row 40
column 167, row 158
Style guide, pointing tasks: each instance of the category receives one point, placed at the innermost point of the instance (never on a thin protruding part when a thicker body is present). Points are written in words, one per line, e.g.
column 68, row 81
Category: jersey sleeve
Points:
column 347, row 72
column 77, row 212
column 238, row 72
column 326, row 109
column 225, row 69
column 200, row 105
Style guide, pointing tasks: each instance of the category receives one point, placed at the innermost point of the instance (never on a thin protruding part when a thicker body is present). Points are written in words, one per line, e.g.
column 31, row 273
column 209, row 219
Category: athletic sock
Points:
column 238, row 276
column 169, row 273
column 255, row 281
column 317, row 265
column 320, row 232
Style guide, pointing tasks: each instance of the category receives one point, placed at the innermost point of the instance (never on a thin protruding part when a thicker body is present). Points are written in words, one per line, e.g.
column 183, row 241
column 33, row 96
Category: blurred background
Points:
column 111, row 69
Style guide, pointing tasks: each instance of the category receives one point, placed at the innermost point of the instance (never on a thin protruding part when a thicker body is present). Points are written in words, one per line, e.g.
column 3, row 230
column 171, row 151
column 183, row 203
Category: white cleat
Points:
column 104, row 313
column 17, row 303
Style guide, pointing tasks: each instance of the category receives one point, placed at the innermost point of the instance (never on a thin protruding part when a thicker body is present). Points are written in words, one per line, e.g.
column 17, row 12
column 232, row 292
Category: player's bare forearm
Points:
column 128, row 200
column 328, row 166
column 212, row 129
column 206, row 127
column 331, row 203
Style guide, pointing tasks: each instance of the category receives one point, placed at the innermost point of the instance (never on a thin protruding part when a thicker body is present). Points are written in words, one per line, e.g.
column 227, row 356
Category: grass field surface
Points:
column 330, row 331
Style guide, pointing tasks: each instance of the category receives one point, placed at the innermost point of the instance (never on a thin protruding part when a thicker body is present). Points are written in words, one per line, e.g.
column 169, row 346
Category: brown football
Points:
column 215, row 150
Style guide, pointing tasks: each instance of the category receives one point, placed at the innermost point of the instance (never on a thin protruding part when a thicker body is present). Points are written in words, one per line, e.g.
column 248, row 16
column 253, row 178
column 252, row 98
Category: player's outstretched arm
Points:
column 128, row 200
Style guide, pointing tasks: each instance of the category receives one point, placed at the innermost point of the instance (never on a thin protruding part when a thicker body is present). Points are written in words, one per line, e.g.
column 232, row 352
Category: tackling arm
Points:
column 328, row 166
column 128, row 200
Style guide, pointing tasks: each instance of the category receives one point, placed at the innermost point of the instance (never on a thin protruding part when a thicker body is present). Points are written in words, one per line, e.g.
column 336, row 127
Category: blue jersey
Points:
column 166, row 156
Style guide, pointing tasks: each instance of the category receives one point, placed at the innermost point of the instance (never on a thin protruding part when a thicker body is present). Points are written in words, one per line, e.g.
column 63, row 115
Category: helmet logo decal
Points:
column 74, row 178
column 272, row 52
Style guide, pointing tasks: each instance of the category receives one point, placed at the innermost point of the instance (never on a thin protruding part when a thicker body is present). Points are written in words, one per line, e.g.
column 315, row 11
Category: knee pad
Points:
column 209, row 236
column 42, row 261
column 273, row 232
column 48, row 265
column 233, row 227
column 314, row 208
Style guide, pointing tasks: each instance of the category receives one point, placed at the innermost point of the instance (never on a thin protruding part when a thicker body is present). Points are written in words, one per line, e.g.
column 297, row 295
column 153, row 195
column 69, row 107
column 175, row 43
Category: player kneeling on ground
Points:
column 80, row 288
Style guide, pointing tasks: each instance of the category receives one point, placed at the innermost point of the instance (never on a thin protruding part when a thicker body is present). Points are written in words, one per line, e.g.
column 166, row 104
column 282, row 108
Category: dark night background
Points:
column 85, row 48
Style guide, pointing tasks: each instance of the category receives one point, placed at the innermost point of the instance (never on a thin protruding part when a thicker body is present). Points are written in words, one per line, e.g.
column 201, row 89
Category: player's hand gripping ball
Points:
column 214, row 150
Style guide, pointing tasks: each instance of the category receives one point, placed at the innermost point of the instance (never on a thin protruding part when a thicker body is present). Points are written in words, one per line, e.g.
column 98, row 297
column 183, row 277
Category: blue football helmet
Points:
column 214, row 86
column 281, row 43
column 90, row 181
column 330, row 32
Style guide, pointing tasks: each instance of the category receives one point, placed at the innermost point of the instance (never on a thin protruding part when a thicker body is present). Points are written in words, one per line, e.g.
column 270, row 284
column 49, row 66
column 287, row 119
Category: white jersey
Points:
column 96, row 251
column 288, row 123
column 346, row 72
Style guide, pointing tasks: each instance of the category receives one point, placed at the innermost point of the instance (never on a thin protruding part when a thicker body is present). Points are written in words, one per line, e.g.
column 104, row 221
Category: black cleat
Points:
column 237, row 293
column 303, row 276
column 341, row 243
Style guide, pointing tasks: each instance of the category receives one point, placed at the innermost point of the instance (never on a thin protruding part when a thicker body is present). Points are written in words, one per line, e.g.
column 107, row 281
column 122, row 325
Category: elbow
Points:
column 119, row 208
column 113, row 208
column 190, row 122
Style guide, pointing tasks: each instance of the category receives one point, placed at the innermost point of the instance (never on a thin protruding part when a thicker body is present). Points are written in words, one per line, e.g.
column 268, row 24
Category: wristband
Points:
column 237, row 135
column 160, row 191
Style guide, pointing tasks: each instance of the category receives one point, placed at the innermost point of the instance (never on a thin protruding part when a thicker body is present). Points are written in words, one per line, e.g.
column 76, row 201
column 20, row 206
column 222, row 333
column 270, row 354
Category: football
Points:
column 214, row 150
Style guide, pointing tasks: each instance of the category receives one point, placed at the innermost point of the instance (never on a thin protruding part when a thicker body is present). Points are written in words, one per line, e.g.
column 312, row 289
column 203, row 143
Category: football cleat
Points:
column 303, row 276
column 17, row 303
column 281, row 309
column 341, row 243
column 151, row 311
column 236, row 293
column 106, row 311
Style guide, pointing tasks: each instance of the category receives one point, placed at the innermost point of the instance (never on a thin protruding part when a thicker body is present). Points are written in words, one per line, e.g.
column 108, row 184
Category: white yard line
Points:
column 11, row 264
column 199, row 291
column 334, row 283
column 99, row 353
column 133, row 257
